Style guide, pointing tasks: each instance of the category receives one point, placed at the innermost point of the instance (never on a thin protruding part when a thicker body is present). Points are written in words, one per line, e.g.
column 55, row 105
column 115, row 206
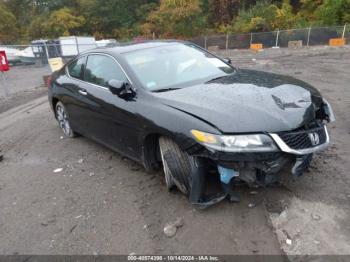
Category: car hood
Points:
column 248, row 101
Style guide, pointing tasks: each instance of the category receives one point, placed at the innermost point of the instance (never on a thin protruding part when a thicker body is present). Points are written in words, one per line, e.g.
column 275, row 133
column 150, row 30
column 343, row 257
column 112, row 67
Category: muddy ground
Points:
column 103, row 203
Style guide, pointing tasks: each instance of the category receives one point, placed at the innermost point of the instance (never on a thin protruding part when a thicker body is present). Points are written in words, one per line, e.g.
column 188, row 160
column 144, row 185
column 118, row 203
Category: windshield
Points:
column 175, row 66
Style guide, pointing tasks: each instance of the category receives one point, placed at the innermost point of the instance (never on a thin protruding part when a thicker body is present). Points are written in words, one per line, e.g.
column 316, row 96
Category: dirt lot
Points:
column 24, row 83
column 103, row 203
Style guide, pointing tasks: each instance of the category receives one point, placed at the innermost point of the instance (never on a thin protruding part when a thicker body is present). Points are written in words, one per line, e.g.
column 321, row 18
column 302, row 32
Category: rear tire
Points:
column 63, row 120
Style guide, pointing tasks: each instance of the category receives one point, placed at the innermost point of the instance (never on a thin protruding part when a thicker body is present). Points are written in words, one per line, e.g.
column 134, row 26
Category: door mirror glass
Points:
column 227, row 60
column 120, row 88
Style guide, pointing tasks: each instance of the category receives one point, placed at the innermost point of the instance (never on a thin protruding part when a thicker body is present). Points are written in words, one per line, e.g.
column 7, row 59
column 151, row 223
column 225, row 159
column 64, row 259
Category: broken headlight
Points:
column 237, row 143
column 329, row 111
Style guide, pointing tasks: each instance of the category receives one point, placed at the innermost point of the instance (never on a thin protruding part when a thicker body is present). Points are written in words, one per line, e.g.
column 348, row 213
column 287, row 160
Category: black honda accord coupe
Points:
column 173, row 105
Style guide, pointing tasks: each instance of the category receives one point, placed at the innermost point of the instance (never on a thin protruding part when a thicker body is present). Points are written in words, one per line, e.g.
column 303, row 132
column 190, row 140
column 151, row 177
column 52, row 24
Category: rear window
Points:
column 100, row 69
column 76, row 68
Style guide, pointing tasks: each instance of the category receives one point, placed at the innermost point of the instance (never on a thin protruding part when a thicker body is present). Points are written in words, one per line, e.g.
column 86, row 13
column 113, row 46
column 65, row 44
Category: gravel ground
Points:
column 24, row 83
column 20, row 98
column 23, row 77
column 103, row 203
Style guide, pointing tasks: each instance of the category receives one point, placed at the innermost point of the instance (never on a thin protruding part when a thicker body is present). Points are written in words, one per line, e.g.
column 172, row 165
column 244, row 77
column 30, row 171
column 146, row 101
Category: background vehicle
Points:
column 12, row 55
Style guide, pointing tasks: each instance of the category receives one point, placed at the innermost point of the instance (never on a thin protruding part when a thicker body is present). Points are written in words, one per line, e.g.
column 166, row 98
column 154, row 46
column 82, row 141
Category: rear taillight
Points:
column 49, row 81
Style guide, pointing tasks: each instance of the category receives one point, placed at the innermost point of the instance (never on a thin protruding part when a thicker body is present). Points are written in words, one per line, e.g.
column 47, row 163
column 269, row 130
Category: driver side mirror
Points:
column 120, row 88
column 227, row 60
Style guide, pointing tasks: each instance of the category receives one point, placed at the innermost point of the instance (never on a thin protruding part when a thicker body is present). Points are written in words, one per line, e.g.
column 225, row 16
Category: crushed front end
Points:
column 258, row 159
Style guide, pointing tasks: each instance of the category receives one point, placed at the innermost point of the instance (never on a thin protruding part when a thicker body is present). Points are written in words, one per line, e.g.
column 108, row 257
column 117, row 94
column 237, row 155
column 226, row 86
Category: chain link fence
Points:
column 281, row 38
column 347, row 34
column 39, row 52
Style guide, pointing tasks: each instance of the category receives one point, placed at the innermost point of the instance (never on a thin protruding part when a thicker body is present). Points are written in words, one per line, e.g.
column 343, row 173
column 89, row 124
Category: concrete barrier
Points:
column 213, row 48
column 337, row 42
column 256, row 46
column 295, row 44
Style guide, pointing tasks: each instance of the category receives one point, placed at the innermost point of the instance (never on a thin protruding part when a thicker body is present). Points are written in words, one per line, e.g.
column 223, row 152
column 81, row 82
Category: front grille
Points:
column 301, row 139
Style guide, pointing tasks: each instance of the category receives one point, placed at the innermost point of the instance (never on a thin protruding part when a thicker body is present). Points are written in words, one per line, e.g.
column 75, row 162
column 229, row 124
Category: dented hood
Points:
column 248, row 101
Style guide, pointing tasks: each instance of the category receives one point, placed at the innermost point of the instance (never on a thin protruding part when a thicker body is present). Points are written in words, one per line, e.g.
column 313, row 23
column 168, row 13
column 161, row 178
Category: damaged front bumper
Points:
column 295, row 151
column 291, row 146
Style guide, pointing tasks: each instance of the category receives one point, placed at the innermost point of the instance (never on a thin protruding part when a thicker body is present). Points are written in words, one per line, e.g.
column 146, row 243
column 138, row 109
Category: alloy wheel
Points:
column 63, row 121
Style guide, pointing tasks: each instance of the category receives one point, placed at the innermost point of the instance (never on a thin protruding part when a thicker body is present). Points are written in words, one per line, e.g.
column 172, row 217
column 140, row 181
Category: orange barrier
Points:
column 337, row 42
column 256, row 46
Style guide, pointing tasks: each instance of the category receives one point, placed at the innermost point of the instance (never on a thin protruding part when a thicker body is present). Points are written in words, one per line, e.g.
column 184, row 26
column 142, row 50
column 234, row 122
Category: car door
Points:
column 110, row 119
column 71, row 92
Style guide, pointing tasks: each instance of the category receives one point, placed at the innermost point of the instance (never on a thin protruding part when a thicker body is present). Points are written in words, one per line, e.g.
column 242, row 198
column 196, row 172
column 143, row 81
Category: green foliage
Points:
column 222, row 12
column 334, row 12
column 175, row 18
column 59, row 23
column 63, row 23
column 25, row 20
column 38, row 27
column 8, row 27
column 308, row 9
column 264, row 16
column 115, row 18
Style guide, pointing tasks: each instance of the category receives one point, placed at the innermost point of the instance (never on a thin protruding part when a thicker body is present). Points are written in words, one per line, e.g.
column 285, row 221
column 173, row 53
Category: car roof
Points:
column 130, row 47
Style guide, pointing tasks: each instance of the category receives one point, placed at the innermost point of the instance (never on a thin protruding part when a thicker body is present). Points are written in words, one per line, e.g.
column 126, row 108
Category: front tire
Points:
column 63, row 120
column 185, row 172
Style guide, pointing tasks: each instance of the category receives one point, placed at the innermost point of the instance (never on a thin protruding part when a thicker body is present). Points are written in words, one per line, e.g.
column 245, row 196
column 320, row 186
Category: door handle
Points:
column 82, row 92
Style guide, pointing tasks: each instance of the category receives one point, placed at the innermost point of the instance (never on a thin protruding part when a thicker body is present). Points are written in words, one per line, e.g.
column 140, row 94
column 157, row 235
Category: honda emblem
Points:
column 314, row 138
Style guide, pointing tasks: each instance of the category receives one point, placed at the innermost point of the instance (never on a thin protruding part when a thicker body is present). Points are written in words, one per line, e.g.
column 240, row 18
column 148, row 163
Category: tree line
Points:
column 24, row 20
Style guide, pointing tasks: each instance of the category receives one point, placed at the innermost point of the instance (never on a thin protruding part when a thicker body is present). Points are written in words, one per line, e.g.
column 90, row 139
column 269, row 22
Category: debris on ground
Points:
column 179, row 222
column 170, row 229
column 288, row 242
column 80, row 161
column 251, row 205
column 51, row 221
column 61, row 137
column 315, row 217
column 253, row 193
column 58, row 170
column 92, row 174
column 135, row 168
column 72, row 228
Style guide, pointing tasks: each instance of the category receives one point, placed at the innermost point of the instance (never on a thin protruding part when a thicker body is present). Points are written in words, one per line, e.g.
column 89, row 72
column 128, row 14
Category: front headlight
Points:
column 329, row 111
column 237, row 143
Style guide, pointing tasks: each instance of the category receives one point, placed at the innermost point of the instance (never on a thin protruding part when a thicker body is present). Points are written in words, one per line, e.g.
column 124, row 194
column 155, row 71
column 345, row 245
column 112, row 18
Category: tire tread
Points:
column 179, row 164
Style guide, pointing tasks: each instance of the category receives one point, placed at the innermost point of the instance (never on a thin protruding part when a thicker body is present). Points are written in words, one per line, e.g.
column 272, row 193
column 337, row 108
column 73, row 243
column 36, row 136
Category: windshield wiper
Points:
column 164, row 90
column 216, row 78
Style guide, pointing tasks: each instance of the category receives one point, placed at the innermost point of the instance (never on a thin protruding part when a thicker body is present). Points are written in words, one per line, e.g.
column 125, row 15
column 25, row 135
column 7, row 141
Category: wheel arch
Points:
column 151, row 157
column 150, row 152
column 54, row 102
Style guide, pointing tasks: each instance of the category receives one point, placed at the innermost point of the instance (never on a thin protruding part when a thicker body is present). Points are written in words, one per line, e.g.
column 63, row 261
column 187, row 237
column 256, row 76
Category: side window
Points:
column 76, row 68
column 100, row 69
